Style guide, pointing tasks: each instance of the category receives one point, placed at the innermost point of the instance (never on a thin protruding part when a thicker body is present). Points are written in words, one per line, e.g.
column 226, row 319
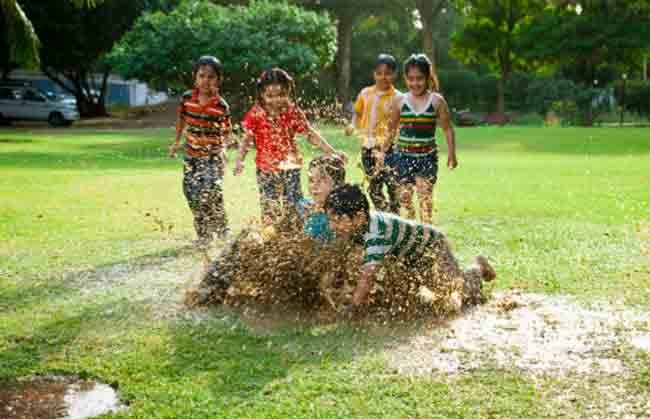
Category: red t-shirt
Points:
column 275, row 138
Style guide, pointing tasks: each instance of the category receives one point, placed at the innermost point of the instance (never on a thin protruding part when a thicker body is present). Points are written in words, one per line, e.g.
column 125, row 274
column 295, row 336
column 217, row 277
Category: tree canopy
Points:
column 161, row 48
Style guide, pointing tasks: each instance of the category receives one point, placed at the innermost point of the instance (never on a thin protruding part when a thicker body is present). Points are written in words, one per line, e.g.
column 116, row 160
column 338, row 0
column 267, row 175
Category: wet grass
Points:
column 559, row 210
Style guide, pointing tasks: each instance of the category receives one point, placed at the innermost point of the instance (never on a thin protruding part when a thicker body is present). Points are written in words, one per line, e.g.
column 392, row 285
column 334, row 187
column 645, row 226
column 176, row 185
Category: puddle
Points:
column 56, row 398
column 531, row 332
column 641, row 342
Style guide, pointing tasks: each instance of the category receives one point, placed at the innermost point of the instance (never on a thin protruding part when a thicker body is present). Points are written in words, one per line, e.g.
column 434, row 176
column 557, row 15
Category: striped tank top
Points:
column 417, row 129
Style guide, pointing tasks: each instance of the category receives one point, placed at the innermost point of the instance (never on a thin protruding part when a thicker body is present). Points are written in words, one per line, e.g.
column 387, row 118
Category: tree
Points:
column 18, row 41
column 161, row 48
column 75, row 40
column 347, row 14
column 429, row 11
column 590, row 40
column 489, row 35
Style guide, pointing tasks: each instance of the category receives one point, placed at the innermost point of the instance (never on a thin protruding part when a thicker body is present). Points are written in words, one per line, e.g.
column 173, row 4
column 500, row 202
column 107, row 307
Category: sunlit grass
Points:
column 559, row 210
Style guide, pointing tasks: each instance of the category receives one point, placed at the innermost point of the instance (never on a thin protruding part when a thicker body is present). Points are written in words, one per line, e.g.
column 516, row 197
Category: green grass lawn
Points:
column 559, row 210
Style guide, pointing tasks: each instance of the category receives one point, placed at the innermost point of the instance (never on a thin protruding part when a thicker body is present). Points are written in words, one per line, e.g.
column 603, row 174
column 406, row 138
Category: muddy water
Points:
column 56, row 398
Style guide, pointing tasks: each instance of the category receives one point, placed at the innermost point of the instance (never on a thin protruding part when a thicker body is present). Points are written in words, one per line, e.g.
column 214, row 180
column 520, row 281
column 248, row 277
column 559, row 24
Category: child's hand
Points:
column 349, row 130
column 379, row 156
column 341, row 155
column 239, row 168
column 173, row 148
column 452, row 162
column 361, row 292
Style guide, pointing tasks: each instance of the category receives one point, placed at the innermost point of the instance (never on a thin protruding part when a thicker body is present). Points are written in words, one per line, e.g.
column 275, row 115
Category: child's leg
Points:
column 192, row 189
column 424, row 190
column 375, row 186
column 390, row 179
column 406, row 199
column 215, row 211
column 426, row 174
column 269, row 193
column 369, row 165
column 292, row 189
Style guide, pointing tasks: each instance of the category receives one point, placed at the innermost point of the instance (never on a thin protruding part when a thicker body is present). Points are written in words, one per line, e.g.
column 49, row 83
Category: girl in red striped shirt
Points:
column 204, row 116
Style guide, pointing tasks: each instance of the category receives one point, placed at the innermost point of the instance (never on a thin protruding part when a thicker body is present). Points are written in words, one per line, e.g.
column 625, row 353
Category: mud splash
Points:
column 53, row 397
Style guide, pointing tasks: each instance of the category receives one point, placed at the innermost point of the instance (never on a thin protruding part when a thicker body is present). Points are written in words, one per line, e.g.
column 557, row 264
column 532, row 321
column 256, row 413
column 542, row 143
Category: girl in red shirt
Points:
column 271, row 125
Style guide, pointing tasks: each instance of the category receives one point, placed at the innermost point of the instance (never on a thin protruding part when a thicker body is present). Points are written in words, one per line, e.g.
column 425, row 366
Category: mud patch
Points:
column 534, row 333
column 57, row 397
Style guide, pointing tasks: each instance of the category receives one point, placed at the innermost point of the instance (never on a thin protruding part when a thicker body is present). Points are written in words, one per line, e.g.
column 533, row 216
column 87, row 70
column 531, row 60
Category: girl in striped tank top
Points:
column 414, row 118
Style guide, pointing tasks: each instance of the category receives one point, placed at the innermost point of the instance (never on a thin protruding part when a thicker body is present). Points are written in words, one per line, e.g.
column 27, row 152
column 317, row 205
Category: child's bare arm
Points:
column 244, row 146
column 316, row 139
column 176, row 145
column 444, row 120
column 356, row 115
column 366, row 279
column 393, row 123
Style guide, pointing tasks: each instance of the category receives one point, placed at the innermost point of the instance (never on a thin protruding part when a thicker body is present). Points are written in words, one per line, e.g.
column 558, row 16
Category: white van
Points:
column 28, row 103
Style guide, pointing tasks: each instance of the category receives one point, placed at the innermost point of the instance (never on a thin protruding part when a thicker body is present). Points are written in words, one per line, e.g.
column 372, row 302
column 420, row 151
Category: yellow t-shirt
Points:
column 372, row 114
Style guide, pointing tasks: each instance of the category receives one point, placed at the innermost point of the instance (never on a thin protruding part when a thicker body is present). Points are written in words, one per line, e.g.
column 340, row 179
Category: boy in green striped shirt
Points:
column 420, row 246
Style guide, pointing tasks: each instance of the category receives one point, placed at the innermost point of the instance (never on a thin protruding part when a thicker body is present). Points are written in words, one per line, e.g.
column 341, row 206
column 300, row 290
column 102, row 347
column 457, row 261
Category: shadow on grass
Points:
column 25, row 293
column 35, row 337
column 241, row 369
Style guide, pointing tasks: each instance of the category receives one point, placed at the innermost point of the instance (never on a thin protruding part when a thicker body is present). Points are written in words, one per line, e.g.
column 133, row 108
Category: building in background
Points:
column 119, row 91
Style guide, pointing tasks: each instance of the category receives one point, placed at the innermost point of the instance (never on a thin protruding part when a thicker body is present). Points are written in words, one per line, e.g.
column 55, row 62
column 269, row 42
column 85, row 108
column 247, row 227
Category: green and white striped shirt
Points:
column 389, row 234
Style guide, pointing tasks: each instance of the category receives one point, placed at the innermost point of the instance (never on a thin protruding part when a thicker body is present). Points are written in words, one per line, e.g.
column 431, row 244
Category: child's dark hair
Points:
column 387, row 60
column 333, row 167
column 422, row 63
column 347, row 200
column 210, row 61
column 275, row 76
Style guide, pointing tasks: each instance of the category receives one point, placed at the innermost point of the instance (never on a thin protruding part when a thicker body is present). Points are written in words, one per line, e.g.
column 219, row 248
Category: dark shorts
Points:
column 407, row 167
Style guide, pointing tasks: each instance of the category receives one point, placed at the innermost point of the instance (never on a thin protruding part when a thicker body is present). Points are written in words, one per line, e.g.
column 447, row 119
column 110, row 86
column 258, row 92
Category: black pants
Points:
column 376, row 181
column 279, row 192
column 203, row 189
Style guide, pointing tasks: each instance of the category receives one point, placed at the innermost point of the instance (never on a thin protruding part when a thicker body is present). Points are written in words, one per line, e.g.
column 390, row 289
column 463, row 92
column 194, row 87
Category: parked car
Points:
column 23, row 102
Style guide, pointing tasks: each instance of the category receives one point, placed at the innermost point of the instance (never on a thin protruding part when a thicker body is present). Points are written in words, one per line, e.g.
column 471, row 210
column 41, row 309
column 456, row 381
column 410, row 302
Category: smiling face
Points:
column 416, row 81
column 384, row 77
column 207, row 80
column 320, row 185
column 275, row 98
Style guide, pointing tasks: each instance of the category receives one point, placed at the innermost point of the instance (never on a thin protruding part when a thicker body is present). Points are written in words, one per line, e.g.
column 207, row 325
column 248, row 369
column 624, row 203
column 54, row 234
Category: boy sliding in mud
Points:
column 419, row 247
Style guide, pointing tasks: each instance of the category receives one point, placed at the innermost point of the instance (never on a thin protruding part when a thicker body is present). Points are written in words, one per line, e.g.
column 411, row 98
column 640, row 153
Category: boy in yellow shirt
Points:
column 370, row 121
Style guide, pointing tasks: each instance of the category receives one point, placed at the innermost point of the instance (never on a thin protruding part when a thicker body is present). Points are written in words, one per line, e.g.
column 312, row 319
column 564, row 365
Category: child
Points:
column 325, row 174
column 207, row 118
column 383, row 235
column 370, row 120
column 416, row 154
column 272, row 125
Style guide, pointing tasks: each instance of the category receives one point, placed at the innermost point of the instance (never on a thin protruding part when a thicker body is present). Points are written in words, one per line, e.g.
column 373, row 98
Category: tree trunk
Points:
column 501, row 96
column 429, row 10
column 427, row 32
column 344, row 32
column 88, row 105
